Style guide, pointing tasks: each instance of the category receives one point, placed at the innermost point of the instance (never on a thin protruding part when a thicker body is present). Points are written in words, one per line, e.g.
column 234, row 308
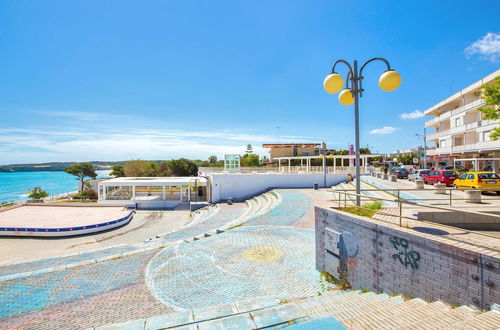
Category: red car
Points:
column 441, row 176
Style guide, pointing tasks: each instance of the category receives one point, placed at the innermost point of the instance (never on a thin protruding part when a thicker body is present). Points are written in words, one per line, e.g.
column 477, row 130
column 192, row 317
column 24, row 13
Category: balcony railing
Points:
column 487, row 145
column 448, row 114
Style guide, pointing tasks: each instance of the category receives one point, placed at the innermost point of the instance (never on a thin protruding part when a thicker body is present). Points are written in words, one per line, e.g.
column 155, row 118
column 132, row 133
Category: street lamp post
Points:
column 333, row 83
column 425, row 146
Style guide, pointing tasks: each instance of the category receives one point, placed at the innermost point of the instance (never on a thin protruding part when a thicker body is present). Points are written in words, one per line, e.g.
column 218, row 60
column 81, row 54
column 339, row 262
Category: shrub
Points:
column 366, row 210
column 86, row 194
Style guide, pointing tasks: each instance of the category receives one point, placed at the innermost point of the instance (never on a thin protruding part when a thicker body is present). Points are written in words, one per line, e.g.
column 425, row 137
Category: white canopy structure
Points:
column 154, row 191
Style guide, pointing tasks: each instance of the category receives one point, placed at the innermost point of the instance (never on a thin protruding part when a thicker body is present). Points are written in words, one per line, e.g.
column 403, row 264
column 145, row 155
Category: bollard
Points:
column 386, row 177
column 419, row 184
column 379, row 175
column 394, row 178
column 473, row 196
column 374, row 174
column 440, row 188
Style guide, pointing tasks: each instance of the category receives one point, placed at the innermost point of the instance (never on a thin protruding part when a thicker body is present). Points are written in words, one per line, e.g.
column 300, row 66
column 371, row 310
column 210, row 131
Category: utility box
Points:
column 332, row 251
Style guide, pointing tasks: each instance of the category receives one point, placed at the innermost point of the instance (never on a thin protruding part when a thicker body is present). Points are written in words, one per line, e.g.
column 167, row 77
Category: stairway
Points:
column 336, row 310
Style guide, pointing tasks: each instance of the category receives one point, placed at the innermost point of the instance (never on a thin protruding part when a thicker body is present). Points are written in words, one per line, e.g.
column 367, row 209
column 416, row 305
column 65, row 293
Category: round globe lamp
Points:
column 345, row 97
column 333, row 83
column 389, row 81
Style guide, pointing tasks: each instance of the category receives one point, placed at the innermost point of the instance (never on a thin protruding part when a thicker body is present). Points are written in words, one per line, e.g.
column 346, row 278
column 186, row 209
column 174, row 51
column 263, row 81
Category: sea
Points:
column 15, row 185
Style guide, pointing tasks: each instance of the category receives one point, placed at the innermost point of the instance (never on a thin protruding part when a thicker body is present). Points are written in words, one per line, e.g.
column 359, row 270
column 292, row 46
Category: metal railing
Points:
column 287, row 169
column 397, row 193
column 401, row 201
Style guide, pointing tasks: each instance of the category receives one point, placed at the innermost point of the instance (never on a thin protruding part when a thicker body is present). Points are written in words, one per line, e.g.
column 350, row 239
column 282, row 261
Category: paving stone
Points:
column 240, row 321
column 169, row 320
column 129, row 325
column 212, row 312
column 277, row 315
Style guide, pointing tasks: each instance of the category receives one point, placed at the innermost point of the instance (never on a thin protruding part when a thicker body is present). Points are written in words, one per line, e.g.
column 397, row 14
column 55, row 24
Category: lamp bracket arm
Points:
column 345, row 62
column 372, row 60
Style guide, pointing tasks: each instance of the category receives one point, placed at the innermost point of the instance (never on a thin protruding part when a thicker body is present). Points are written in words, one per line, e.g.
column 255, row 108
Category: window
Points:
column 457, row 122
column 463, row 177
column 458, row 141
column 471, row 177
column 488, row 176
column 442, row 144
column 486, row 135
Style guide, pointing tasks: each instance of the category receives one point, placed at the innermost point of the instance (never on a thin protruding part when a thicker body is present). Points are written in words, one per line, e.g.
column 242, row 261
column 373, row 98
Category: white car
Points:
column 418, row 174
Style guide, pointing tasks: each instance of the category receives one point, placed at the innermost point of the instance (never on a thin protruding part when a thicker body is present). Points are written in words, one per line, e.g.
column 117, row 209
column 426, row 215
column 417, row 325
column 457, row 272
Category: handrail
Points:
column 401, row 202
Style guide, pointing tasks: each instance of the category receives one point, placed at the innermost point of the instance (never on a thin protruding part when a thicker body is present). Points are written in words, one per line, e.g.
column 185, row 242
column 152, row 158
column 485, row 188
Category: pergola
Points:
column 150, row 188
column 307, row 159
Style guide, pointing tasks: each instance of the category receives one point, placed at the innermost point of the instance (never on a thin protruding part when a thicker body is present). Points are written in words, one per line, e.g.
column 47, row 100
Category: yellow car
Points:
column 487, row 181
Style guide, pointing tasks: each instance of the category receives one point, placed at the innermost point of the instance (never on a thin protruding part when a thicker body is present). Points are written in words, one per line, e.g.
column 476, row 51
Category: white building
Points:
column 171, row 192
column 459, row 132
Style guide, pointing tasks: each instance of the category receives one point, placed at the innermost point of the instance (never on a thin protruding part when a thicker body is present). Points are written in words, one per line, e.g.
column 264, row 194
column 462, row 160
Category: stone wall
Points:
column 386, row 258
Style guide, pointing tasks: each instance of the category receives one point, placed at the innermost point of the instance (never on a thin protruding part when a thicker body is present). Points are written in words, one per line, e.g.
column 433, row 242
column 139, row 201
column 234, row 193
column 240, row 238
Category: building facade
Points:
column 292, row 149
column 459, row 133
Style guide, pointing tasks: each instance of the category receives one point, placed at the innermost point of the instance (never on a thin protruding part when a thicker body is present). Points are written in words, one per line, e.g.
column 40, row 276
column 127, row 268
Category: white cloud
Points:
column 487, row 47
column 41, row 144
column 384, row 130
column 412, row 115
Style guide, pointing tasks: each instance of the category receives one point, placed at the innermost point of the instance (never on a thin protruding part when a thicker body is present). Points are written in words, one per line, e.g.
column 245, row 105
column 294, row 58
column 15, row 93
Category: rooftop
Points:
column 153, row 181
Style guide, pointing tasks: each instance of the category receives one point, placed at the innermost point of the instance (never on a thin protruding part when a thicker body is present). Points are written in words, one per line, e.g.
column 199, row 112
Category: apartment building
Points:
column 460, row 135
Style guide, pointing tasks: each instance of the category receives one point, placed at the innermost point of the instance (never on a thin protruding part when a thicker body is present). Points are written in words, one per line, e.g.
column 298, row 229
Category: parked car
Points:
column 441, row 176
column 400, row 172
column 418, row 174
column 479, row 180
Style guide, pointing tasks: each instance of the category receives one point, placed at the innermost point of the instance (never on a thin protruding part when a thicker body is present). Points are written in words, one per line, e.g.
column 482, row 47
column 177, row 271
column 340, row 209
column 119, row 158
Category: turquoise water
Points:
column 13, row 186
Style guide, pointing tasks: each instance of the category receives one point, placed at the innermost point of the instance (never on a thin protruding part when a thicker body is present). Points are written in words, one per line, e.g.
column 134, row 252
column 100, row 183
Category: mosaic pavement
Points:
column 266, row 257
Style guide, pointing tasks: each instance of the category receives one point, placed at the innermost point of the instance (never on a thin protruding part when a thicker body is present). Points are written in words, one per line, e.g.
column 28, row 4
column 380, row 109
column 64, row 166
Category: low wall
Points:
column 243, row 185
column 66, row 231
column 385, row 258
column 463, row 220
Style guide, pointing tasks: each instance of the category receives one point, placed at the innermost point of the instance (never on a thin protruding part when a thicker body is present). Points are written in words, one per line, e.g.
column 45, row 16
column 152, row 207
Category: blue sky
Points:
column 114, row 80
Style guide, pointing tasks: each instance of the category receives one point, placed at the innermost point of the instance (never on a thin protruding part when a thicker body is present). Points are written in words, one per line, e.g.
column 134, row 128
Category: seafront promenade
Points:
column 248, row 265
column 137, row 279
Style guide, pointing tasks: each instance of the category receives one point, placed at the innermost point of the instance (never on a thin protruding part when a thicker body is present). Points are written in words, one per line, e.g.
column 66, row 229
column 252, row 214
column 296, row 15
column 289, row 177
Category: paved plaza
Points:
column 271, row 255
column 390, row 210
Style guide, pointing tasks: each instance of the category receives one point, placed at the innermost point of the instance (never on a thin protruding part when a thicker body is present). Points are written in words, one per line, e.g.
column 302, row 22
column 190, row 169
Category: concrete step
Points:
column 340, row 304
column 363, row 309
column 327, row 298
column 441, row 320
column 485, row 321
column 279, row 315
column 329, row 323
column 416, row 316
column 367, row 319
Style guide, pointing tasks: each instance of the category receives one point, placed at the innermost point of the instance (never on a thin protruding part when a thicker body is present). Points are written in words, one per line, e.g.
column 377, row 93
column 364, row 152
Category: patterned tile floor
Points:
column 266, row 257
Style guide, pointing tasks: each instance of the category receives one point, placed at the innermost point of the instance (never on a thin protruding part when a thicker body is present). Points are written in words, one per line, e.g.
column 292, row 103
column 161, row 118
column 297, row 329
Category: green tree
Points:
column 182, row 167
column 164, row 169
column 212, row 159
column 140, row 168
column 117, row 171
column 82, row 171
column 37, row 193
column 249, row 149
column 249, row 160
column 491, row 96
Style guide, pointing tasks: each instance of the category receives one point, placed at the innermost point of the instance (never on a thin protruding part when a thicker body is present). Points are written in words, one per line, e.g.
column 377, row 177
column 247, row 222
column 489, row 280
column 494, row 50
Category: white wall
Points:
column 240, row 185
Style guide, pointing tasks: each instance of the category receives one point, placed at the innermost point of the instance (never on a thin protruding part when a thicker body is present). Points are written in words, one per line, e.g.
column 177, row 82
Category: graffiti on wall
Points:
column 406, row 258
